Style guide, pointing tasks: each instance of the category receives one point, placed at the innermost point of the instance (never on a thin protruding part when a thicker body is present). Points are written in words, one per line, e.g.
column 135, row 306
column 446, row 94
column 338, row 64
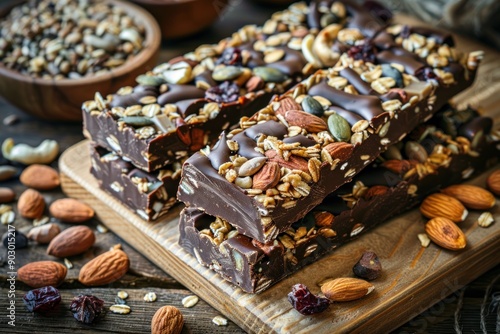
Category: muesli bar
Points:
column 182, row 105
column 150, row 195
column 383, row 190
column 284, row 160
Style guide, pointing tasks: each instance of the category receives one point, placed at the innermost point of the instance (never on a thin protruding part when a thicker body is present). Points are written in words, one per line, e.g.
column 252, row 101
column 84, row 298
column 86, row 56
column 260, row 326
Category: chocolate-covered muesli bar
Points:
column 179, row 106
column 150, row 195
column 386, row 188
column 288, row 157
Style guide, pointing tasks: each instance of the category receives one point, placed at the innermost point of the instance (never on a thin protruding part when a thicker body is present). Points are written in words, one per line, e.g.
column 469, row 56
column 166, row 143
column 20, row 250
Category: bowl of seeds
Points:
column 55, row 54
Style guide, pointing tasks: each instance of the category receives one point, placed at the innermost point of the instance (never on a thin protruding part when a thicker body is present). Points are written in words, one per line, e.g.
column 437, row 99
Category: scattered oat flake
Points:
column 219, row 321
column 485, row 219
column 68, row 263
column 190, row 301
column 102, row 229
column 122, row 294
column 41, row 221
column 150, row 297
column 424, row 239
column 120, row 309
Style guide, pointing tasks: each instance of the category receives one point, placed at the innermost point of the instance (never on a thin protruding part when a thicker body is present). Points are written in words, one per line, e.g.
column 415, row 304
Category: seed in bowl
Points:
column 59, row 39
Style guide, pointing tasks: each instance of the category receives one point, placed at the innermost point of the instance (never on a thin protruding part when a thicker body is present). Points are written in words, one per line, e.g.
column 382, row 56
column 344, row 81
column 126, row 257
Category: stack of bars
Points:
column 304, row 103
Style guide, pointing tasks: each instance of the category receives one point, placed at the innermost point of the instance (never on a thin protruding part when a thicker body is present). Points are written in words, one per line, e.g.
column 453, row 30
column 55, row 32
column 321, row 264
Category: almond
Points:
column 71, row 210
column 493, row 182
column 106, row 268
column 44, row 234
column 167, row 320
column 294, row 162
column 346, row 289
column 40, row 177
column 323, row 218
column 267, row 177
column 445, row 233
column 397, row 166
column 309, row 122
column 31, row 204
column 441, row 205
column 287, row 103
column 72, row 241
column 339, row 150
column 472, row 197
column 7, row 195
column 375, row 191
column 42, row 273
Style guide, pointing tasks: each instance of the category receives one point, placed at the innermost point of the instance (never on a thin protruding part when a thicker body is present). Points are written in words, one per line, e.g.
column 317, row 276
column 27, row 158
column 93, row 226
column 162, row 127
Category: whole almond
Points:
column 104, row 269
column 472, row 197
column 72, row 241
column 42, row 273
column 493, row 182
column 7, row 195
column 287, row 103
column 323, row 218
column 441, row 205
column 346, row 289
column 40, row 177
column 167, row 320
column 339, row 150
column 45, row 233
column 445, row 233
column 375, row 191
column 267, row 177
column 293, row 162
column 397, row 166
column 71, row 210
column 31, row 204
column 309, row 122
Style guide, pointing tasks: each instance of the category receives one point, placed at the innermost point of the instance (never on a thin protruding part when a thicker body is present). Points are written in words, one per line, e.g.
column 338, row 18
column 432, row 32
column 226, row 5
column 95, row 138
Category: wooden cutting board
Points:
column 413, row 279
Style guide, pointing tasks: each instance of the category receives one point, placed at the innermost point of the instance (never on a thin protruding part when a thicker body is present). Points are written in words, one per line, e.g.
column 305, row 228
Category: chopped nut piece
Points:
column 424, row 239
column 485, row 219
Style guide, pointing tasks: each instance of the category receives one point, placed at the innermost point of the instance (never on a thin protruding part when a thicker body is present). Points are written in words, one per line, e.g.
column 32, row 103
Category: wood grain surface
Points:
column 414, row 277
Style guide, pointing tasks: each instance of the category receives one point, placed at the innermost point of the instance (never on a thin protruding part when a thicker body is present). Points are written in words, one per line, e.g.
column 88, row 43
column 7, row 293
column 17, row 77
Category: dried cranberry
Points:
column 405, row 32
column 305, row 302
column 426, row 73
column 42, row 299
column 378, row 10
column 230, row 56
column 225, row 92
column 365, row 51
column 87, row 308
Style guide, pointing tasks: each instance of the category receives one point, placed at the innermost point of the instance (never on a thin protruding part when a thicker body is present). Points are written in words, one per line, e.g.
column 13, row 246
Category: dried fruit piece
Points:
column 493, row 182
column 31, row 204
column 72, row 241
column 445, row 233
column 42, row 299
column 305, row 302
column 71, row 210
column 167, row 319
column 368, row 266
column 441, row 205
column 472, row 197
column 346, row 289
column 87, row 308
column 42, row 273
column 40, row 177
column 106, row 268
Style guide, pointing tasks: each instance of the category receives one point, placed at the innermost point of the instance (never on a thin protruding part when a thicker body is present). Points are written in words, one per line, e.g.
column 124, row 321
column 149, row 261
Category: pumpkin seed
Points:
column 391, row 72
column 136, row 121
column 269, row 74
column 327, row 19
column 227, row 73
column 312, row 106
column 149, row 80
column 252, row 166
column 415, row 151
column 339, row 128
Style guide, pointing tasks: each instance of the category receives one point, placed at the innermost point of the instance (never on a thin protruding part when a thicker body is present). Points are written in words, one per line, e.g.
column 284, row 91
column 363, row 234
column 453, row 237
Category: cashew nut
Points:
column 307, row 45
column 44, row 153
column 323, row 43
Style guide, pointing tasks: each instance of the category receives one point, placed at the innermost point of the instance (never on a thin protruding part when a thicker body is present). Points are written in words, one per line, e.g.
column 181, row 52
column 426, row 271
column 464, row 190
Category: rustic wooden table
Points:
column 470, row 309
